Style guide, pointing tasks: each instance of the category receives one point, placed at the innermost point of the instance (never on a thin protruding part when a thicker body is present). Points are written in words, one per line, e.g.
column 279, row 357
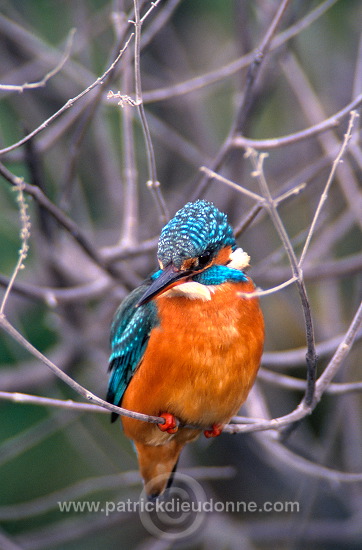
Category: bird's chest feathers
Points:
column 199, row 323
column 201, row 358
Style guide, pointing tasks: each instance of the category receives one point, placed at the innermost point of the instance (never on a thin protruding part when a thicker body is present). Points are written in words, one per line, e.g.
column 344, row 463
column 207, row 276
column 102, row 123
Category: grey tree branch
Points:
column 41, row 83
column 68, row 104
column 274, row 143
column 89, row 396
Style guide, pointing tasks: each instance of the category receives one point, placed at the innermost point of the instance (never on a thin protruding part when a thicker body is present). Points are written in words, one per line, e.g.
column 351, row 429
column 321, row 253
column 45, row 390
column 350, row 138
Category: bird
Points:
column 186, row 345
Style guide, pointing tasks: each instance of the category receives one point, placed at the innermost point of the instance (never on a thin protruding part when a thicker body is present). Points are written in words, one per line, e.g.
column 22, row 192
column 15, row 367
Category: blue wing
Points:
column 130, row 332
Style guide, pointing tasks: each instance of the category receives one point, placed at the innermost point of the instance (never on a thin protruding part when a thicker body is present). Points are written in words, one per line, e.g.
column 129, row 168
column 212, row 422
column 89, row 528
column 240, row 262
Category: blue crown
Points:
column 196, row 228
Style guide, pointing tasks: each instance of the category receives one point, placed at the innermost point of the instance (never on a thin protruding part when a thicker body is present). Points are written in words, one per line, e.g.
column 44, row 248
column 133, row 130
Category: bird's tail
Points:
column 158, row 466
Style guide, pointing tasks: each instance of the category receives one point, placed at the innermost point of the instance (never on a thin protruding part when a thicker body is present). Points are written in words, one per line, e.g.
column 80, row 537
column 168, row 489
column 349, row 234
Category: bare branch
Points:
column 324, row 195
column 24, row 237
column 256, row 65
column 311, row 357
column 291, row 383
column 41, row 83
column 54, row 296
column 26, row 399
column 340, row 354
column 60, row 217
column 327, row 124
column 68, row 104
column 259, row 292
column 293, row 358
column 89, row 396
column 233, row 67
column 258, row 68
column 301, row 464
column 214, row 175
column 153, row 183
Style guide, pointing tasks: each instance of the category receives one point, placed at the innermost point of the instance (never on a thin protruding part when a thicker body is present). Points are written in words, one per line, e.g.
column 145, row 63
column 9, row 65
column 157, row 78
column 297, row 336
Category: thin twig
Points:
column 292, row 383
column 240, row 117
column 130, row 201
column 89, row 396
column 68, row 104
column 314, row 110
column 24, row 238
column 251, row 194
column 321, row 385
column 324, row 195
column 26, row 399
column 337, row 359
column 311, row 357
column 294, row 358
column 247, row 220
column 284, row 455
column 259, row 292
column 255, row 67
column 159, row 21
column 233, row 67
column 275, row 143
column 329, row 269
column 41, row 83
column 214, row 175
column 153, row 183
column 53, row 296
column 62, row 218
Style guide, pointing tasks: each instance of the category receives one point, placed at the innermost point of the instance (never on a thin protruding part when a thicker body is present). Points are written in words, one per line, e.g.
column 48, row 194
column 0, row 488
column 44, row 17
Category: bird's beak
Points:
column 168, row 278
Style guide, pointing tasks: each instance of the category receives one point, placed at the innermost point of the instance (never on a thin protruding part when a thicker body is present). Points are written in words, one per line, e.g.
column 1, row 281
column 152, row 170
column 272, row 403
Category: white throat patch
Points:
column 192, row 290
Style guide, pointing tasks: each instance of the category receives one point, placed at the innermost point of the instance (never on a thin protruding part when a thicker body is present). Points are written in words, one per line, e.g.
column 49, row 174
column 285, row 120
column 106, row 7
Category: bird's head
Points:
column 196, row 238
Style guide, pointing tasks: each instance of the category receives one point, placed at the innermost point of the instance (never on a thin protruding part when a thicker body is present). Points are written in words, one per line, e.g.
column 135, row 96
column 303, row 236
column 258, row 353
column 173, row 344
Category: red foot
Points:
column 171, row 425
column 216, row 430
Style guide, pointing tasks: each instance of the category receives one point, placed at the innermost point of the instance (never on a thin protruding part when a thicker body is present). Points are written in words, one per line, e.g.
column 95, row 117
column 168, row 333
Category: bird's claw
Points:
column 214, row 432
column 170, row 425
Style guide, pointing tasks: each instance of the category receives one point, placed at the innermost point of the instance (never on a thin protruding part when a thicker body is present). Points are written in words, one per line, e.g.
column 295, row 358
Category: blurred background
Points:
column 200, row 90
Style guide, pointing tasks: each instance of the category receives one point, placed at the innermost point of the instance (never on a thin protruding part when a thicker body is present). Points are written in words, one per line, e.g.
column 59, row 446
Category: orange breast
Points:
column 200, row 362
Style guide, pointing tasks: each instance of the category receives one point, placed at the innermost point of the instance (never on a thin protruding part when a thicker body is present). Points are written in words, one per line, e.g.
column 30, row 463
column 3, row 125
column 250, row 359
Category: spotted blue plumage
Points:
column 130, row 332
column 197, row 227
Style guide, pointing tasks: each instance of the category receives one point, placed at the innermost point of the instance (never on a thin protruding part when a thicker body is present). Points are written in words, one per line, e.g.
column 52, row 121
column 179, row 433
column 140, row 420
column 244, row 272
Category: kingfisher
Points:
column 186, row 344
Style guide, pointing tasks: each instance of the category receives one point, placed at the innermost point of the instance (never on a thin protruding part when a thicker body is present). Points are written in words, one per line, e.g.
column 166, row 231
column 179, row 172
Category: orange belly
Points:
column 200, row 362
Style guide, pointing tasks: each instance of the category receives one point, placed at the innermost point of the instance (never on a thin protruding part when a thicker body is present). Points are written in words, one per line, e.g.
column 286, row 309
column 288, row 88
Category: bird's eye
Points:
column 204, row 259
